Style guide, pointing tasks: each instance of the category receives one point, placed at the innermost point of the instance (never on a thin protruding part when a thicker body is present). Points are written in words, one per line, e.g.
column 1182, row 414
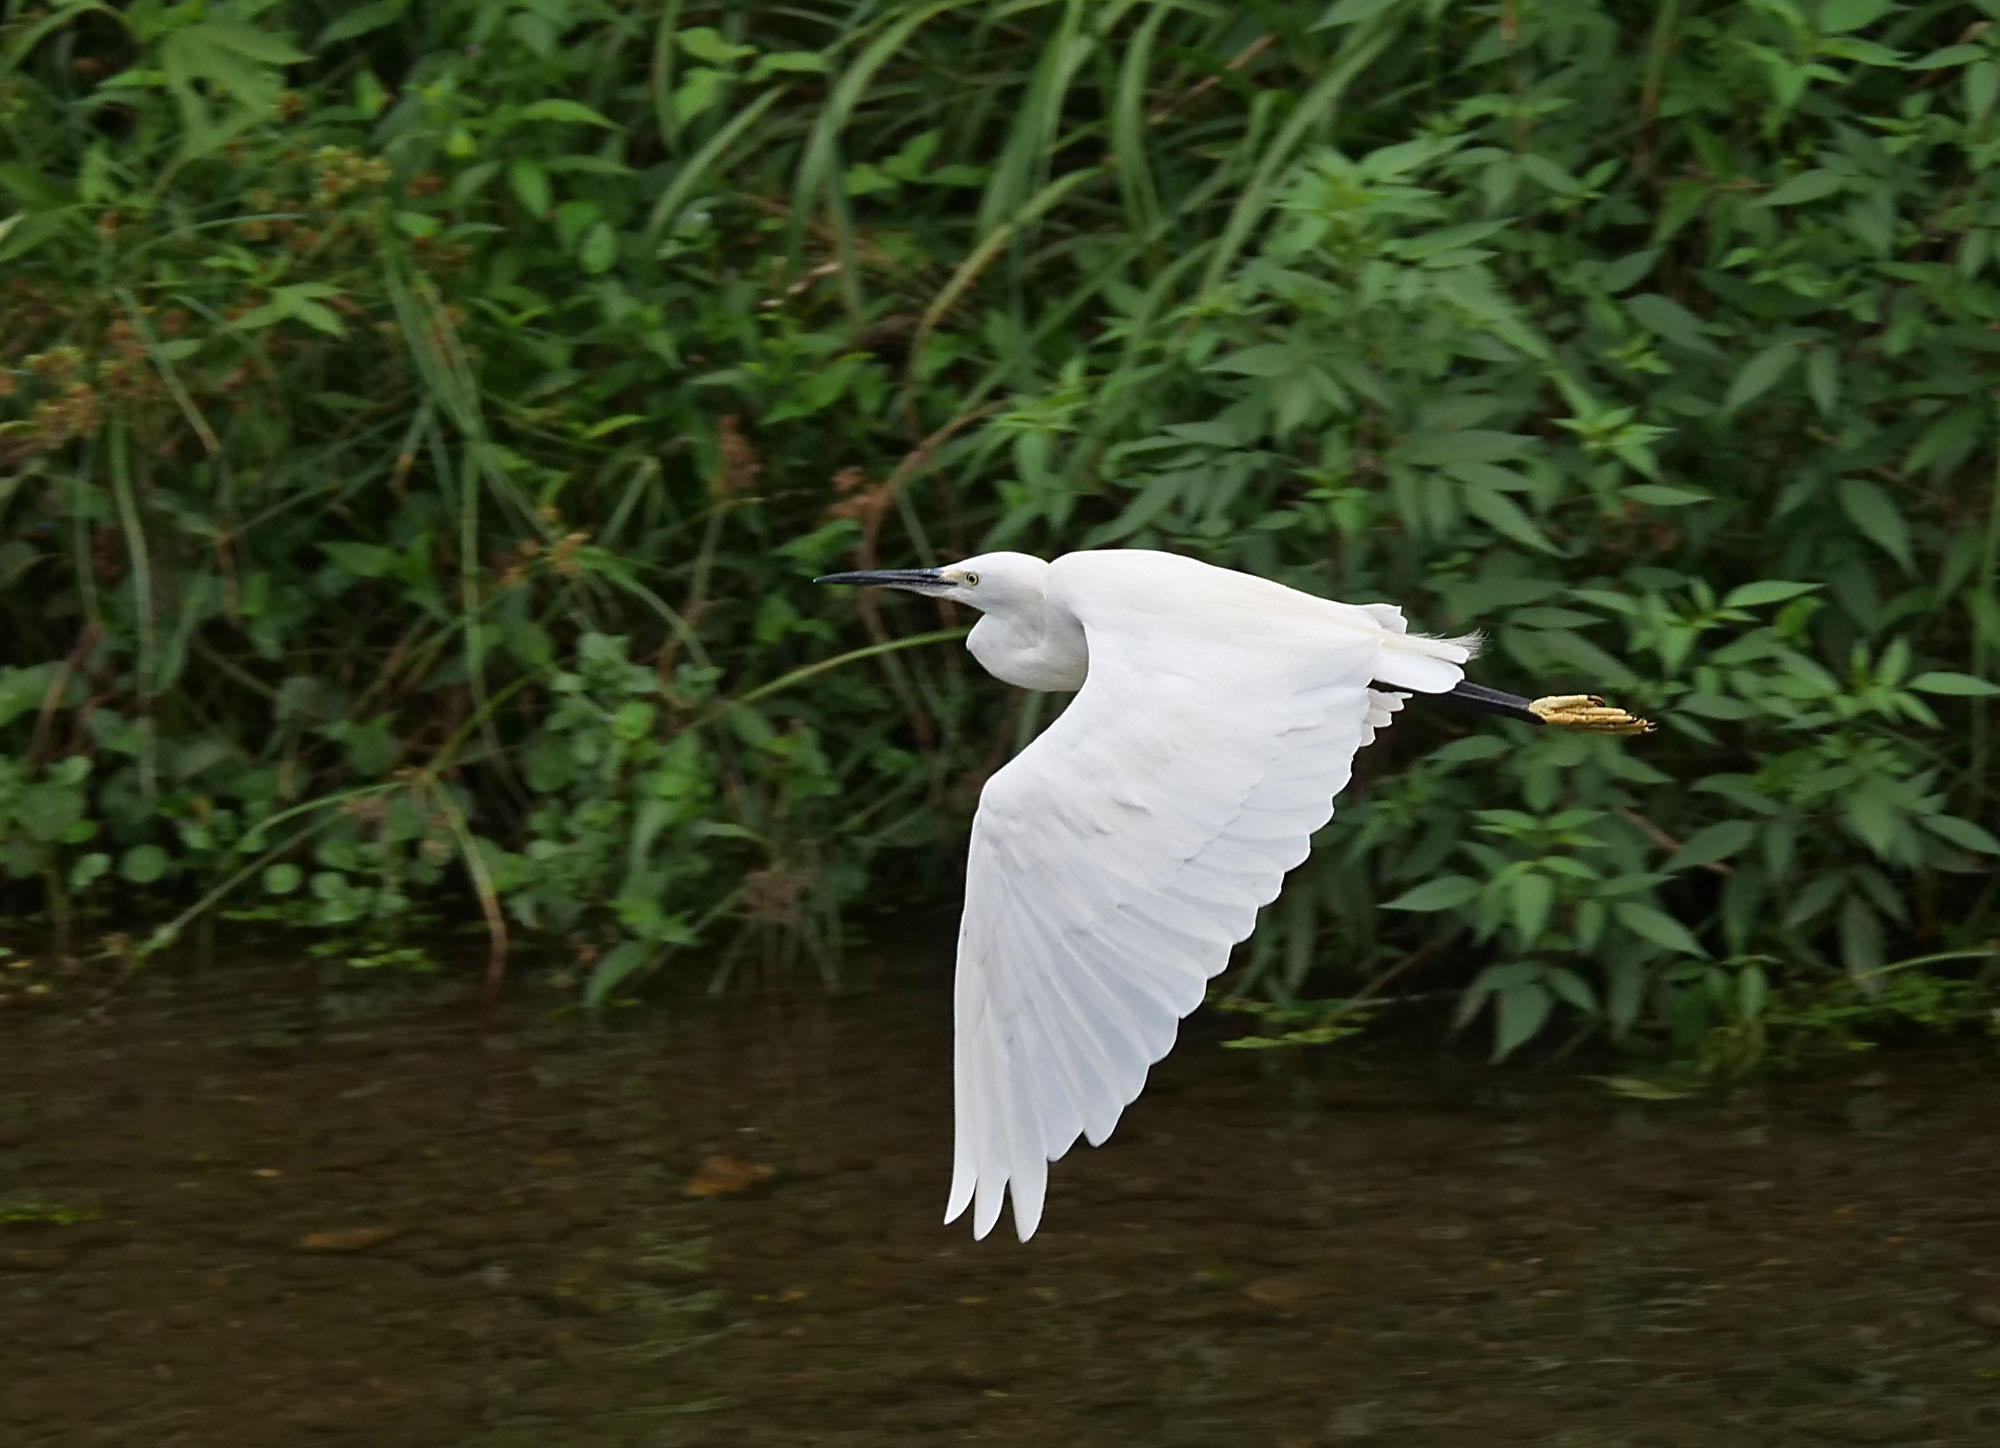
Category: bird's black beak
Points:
column 917, row 580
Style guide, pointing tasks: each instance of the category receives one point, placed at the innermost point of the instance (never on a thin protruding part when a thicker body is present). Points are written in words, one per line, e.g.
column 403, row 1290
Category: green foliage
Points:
column 1299, row 1023
column 1730, row 1019
column 420, row 423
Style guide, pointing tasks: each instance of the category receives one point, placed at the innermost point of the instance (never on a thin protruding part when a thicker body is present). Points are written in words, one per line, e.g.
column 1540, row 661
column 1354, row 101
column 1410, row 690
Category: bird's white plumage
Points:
column 1118, row 858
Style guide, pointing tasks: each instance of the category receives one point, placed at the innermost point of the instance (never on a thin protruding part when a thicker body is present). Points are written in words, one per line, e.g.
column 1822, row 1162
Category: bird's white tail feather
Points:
column 1425, row 663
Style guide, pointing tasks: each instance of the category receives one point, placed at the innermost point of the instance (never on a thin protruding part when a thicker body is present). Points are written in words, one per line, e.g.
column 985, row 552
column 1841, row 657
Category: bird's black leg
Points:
column 1566, row 711
column 1493, row 701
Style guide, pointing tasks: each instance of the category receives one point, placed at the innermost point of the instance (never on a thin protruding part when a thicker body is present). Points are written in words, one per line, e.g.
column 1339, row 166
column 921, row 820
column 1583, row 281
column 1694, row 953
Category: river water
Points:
column 236, row 1213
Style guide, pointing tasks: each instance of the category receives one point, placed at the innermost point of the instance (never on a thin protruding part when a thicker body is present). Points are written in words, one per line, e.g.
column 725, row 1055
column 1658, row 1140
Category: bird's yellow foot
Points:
column 1588, row 713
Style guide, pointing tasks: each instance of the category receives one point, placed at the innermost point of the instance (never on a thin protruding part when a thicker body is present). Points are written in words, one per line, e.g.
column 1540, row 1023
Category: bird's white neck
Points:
column 1039, row 648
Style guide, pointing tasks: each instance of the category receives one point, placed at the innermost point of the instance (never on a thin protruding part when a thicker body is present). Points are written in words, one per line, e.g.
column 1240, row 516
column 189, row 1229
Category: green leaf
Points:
column 363, row 560
column 1462, row 445
column 1948, row 439
column 633, row 720
column 1837, row 17
column 1759, row 375
column 1871, row 509
column 1660, row 495
column 297, row 302
column 49, row 809
column 699, row 89
column 1352, row 12
column 1714, row 842
column 31, row 188
column 143, row 864
column 1519, row 1011
column 1982, row 85
column 599, row 249
column 370, row 98
column 789, row 62
column 1943, row 681
column 1470, row 749
column 87, row 870
column 1684, row 201
column 319, row 318
column 1752, row 989
column 1769, row 590
column 1715, row 706
column 1571, row 989
column 1657, row 926
column 1551, row 176
column 1505, row 516
column 24, row 689
column 1629, row 271
column 1823, row 379
column 1602, row 668
column 1152, row 500
column 1947, row 56
column 23, row 232
column 1806, row 186
column 530, row 181
column 1668, row 320
column 1961, row 832
column 1447, row 892
column 282, row 879
column 1860, row 936
column 1266, row 359
column 706, row 44
column 618, row 965
column 361, row 20
column 556, row 108
column 69, row 771
column 1873, row 819
column 865, row 179
column 612, row 424
column 1625, row 991
column 250, row 42
column 1533, row 893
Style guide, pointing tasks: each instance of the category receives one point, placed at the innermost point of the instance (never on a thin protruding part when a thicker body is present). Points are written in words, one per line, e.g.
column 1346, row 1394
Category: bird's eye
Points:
column 972, row 580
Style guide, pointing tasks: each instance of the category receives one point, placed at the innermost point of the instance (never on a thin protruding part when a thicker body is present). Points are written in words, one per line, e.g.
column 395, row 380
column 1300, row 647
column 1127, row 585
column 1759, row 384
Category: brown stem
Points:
column 1661, row 838
column 86, row 641
column 1208, row 82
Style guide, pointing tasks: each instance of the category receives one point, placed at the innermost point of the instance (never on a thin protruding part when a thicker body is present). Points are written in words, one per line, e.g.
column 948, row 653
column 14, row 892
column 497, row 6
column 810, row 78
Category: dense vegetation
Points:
column 421, row 422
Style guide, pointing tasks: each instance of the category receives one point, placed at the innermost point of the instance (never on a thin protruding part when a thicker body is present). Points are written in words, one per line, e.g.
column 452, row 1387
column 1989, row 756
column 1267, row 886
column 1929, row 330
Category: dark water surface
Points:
column 352, row 1224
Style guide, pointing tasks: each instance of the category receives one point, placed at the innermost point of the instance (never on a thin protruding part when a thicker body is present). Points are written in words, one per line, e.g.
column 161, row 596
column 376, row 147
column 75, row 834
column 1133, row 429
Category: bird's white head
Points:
column 992, row 583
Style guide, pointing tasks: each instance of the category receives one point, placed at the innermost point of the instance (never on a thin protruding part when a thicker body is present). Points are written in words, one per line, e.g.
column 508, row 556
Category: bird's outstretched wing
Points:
column 1119, row 857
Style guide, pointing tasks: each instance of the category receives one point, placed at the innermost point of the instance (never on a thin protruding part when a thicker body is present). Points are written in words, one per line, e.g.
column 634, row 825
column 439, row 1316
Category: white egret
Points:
column 1119, row 857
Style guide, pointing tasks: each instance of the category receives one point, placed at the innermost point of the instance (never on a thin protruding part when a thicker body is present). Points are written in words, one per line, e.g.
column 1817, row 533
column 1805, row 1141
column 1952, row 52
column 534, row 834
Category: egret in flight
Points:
column 1119, row 857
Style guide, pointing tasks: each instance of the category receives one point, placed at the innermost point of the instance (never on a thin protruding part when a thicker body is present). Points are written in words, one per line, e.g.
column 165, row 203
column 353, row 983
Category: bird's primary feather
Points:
column 1117, row 859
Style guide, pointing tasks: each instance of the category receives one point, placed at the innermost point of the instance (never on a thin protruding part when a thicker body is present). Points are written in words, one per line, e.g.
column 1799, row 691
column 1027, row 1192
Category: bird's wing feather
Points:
column 1119, row 857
